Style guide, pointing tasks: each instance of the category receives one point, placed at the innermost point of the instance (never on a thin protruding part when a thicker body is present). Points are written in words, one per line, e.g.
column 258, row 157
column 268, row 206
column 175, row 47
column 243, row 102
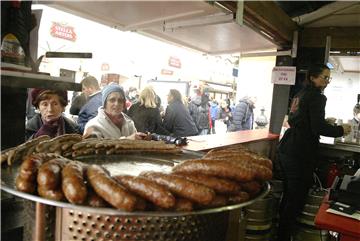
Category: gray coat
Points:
column 243, row 116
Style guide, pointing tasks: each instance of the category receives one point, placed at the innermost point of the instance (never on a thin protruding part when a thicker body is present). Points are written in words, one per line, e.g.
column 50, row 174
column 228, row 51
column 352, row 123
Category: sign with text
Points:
column 167, row 72
column 283, row 75
column 63, row 31
column 175, row 62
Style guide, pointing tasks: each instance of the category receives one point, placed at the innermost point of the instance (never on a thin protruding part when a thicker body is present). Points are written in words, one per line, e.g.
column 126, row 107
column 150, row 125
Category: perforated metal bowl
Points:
column 74, row 222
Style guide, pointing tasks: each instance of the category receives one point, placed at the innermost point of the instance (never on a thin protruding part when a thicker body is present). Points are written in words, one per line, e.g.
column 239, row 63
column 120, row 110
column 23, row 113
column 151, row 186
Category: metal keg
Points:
column 308, row 233
column 259, row 219
column 313, row 202
column 306, row 229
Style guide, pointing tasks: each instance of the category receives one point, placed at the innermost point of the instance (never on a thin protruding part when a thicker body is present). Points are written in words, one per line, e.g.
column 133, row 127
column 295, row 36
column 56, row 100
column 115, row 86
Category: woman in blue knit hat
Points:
column 110, row 121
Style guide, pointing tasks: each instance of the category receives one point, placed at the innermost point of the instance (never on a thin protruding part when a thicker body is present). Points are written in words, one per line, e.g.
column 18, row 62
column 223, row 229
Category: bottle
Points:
column 333, row 172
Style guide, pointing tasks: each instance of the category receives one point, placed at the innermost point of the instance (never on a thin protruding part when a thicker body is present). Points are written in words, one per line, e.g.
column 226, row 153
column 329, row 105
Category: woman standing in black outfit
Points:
column 299, row 144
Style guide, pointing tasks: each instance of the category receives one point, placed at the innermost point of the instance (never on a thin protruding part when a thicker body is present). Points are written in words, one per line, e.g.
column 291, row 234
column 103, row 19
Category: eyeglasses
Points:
column 327, row 78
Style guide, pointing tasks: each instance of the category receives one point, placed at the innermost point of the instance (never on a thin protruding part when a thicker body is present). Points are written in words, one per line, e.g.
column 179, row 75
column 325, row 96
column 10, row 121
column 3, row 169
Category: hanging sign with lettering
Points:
column 283, row 75
column 63, row 31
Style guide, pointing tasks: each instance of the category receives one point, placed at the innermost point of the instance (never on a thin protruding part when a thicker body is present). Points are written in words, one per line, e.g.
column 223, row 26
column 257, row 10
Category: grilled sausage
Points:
column 25, row 185
column 239, row 198
column 26, row 179
column 56, row 195
column 182, row 187
column 219, row 185
column 109, row 189
column 149, row 190
column 218, row 201
column 73, row 184
column 252, row 187
column 216, row 168
column 49, row 176
column 95, row 200
column 183, row 205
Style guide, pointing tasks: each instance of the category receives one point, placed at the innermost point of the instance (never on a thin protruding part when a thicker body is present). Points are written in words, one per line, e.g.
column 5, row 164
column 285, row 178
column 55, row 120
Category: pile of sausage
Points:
column 220, row 178
column 72, row 145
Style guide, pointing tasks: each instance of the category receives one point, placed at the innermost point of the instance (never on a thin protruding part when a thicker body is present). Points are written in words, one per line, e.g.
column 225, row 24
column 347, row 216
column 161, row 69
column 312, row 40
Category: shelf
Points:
column 342, row 146
column 16, row 79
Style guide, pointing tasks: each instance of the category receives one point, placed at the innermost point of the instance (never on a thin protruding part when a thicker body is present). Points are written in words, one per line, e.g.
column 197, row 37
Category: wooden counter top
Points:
column 207, row 142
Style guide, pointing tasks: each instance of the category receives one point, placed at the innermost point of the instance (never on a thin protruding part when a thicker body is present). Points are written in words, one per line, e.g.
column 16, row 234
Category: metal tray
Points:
column 131, row 164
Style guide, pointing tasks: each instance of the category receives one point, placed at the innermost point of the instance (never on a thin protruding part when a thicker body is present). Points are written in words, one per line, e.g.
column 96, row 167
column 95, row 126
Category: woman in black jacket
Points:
column 298, row 146
column 177, row 119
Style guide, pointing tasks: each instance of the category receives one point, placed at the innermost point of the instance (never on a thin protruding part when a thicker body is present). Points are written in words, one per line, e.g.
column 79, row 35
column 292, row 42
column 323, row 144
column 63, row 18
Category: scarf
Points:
column 118, row 120
column 52, row 128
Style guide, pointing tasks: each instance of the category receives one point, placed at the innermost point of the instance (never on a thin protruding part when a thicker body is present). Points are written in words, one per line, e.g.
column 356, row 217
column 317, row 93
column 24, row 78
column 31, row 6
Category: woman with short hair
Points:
column 50, row 119
column 110, row 121
column 177, row 119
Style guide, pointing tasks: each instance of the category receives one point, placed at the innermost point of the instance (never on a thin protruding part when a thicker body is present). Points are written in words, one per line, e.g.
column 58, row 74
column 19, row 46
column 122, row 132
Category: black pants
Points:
column 297, row 175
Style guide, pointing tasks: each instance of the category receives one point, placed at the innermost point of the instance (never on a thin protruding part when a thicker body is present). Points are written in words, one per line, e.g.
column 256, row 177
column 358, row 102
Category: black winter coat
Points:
column 146, row 119
column 35, row 123
column 307, row 123
column 178, row 121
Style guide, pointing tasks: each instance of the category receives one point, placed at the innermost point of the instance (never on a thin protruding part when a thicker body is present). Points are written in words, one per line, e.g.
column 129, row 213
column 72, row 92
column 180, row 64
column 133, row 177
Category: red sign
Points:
column 105, row 67
column 175, row 62
column 167, row 72
column 59, row 30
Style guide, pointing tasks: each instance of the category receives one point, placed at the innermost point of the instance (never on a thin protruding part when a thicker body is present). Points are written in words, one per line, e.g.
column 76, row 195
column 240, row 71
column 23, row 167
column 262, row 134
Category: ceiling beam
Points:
column 341, row 37
column 266, row 18
column 325, row 11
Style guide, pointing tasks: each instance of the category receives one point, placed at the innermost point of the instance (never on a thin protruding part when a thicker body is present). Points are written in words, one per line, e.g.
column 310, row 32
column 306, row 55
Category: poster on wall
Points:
column 283, row 75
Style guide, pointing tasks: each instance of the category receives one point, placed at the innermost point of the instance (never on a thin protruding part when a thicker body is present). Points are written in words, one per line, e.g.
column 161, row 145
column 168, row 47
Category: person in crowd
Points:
column 111, row 122
column 50, row 121
column 91, row 89
column 225, row 113
column 78, row 101
column 199, row 111
column 132, row 97
column 146, row 114
column 243, row 115
column 177, row 119
column 298, row 146
column 356, row 112
column 214, row 114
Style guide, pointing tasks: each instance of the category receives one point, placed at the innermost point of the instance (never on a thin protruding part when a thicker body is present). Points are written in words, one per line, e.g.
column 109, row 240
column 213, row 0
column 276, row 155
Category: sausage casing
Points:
column 219, row 185
column 109, row 189
column 56, row 195
column 25, row 185
column 73, row 184
column 182, row 187
column 148, row 190
column 217, row 168
column 49, row 176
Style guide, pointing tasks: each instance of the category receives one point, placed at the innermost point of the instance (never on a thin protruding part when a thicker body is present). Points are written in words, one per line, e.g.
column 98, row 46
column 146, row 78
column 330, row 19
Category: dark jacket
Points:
column 34, row 124
column 307, row 123
column 178, row 121
column 77, row 103
column 147, row 119
column 89, row 110
column 243, row 116
column 199, row 111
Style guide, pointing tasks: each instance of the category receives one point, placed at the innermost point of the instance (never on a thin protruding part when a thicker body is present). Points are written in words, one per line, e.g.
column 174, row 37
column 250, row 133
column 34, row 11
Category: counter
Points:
column 260, row 141
column 342, row 146
column 208, row 142
column 348, row 228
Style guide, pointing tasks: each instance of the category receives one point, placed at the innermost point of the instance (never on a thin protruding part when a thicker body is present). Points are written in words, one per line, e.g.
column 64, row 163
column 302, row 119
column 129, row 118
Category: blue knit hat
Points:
column 109, row 89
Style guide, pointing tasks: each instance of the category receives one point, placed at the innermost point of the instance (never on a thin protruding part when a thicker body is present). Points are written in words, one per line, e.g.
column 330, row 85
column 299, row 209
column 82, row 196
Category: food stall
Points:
column 63, row 220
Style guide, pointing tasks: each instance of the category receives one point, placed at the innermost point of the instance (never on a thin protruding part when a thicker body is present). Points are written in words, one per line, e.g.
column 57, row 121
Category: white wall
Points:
column 342, row 94
column 255, row 80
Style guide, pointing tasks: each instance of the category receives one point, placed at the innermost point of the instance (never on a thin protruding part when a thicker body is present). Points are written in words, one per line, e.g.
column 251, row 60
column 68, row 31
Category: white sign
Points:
column 284, row 75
